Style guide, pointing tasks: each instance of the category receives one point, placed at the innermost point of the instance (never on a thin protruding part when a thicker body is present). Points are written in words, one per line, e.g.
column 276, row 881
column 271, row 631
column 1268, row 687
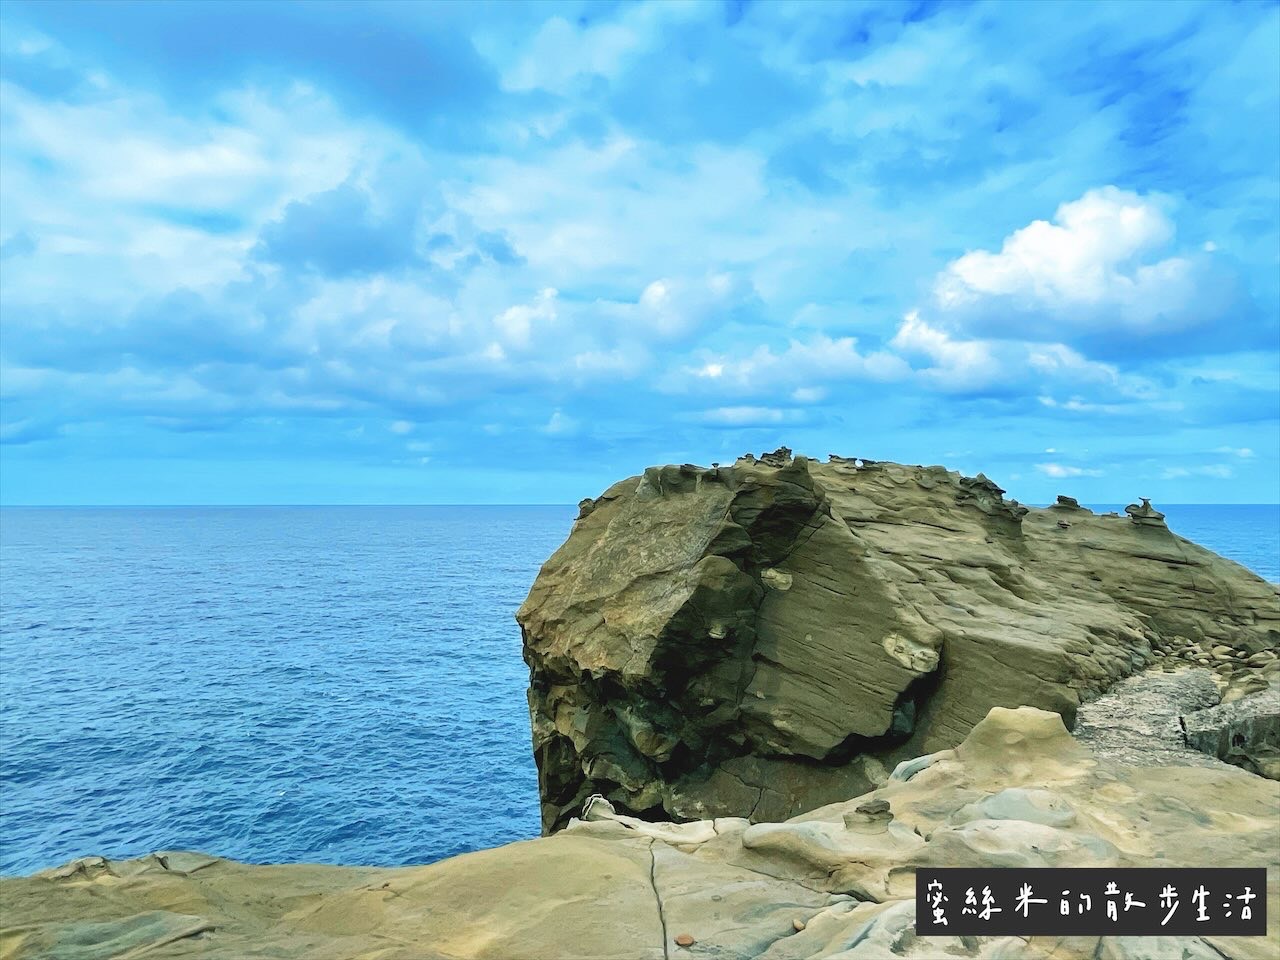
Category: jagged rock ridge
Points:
column 759, row 639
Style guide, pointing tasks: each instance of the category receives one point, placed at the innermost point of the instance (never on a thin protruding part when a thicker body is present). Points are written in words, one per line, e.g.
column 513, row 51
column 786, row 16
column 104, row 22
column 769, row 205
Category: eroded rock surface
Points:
column 1140, row 720
column 1245, row 732
column 837, row 882
column 759, row 639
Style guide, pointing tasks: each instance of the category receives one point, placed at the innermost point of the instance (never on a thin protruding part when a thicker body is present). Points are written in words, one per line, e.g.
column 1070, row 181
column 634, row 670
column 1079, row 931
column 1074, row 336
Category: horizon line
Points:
column 180, row 506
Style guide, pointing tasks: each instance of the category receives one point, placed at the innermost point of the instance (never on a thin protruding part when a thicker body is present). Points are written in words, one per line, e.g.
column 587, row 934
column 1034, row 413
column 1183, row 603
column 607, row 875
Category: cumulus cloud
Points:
column 1082, row 258
column 1099, row 269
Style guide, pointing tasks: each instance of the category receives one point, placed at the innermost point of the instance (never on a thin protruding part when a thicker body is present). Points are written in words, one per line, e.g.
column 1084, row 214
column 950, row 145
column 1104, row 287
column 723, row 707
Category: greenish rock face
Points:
column 761, row 639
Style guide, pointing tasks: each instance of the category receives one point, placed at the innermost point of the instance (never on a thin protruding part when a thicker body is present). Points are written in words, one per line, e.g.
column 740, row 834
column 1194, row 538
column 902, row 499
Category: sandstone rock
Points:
column 1145, row 514
column 759, row 639
column 837, row 882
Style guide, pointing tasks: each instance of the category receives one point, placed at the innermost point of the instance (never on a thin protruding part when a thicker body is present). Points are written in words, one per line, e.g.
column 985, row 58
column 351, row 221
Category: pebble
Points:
column 685, row 940
column 798, row 924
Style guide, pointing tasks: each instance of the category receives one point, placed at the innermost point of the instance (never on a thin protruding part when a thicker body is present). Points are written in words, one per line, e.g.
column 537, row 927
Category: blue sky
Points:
column 277, row 253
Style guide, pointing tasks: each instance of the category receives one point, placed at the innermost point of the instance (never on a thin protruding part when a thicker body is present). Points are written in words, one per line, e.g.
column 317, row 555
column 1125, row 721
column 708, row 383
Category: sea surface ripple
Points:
column 297, row 684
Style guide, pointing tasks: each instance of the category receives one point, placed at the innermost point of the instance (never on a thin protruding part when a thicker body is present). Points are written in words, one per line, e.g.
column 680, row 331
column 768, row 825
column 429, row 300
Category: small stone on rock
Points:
column 798, row 924
column 685, row 940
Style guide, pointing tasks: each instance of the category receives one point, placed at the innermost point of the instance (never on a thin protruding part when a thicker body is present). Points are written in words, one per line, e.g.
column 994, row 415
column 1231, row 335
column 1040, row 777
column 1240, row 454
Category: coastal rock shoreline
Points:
column 836, row 882
column 761, row 697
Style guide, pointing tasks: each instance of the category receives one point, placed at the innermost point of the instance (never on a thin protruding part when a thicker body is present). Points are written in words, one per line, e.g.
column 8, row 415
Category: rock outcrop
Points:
column 837, row 882
column 760, row 639
column 1245, row 732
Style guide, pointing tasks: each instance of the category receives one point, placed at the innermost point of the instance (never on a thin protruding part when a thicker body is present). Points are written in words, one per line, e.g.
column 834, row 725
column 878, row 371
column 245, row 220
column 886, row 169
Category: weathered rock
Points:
column 759, row 639
column 1145, row 514
column 1139, row 721
column 837, row 882
column 1245, row 732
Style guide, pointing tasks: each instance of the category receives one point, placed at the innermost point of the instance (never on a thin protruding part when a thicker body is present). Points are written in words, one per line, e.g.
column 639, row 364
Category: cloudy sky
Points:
column 412, row 253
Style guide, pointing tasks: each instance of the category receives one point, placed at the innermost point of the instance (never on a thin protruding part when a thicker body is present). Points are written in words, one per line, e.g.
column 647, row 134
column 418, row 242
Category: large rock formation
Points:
column 761, row 639
column 836, row 882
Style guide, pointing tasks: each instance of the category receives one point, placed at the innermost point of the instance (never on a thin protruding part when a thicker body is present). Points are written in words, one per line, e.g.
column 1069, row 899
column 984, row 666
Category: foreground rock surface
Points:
column 760, row 639
column 835, row 882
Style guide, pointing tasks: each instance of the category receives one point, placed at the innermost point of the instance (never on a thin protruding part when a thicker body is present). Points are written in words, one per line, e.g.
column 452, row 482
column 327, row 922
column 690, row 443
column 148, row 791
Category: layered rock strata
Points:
column 763, row 638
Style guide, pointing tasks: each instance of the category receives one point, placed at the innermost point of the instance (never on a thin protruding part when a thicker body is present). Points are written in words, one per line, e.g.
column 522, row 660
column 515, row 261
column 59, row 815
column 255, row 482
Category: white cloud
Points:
column 1065, row 470
column 1079, row 259
column 611, row 210
column 954, row 363
column 366, row 314
column 1219, row 471
column 1096, row 268
column 119, row 172
column 1059, row 360
column 561, row 425
column 748, row 416
column 670, row 308
column 1244, row 453
column 561, row 53
column 1130, row 407
column 516, row 324
column 401, row 427
column 808, row 394
column 626, row 362
column 804, row 364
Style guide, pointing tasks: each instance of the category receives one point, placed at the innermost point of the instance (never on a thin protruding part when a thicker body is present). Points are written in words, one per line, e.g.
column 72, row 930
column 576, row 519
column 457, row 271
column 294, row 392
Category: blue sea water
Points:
column 297, row 684
column 293, row 684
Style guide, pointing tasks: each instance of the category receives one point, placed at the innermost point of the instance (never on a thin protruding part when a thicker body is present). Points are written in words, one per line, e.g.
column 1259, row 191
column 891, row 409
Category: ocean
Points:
column 294, row 684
